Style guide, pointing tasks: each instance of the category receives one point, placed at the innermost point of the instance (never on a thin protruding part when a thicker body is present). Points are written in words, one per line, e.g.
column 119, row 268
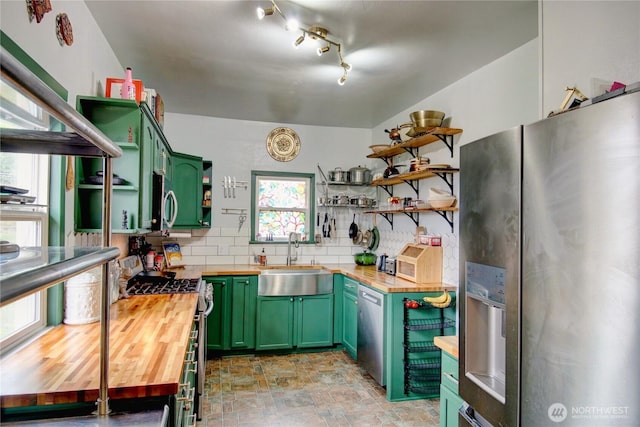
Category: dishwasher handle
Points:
column 371, row 298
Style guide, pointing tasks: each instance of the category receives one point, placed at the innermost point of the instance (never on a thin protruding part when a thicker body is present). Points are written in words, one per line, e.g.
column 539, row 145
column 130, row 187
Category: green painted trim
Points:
column 35, row 68
column 312, row 197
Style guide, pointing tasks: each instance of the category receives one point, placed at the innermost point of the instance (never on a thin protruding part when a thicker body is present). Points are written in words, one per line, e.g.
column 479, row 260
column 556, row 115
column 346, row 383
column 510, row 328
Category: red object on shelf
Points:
column 114, row 85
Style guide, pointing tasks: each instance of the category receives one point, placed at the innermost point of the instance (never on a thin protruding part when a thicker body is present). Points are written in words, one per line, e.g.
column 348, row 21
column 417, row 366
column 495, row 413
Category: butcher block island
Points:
column 149, row 336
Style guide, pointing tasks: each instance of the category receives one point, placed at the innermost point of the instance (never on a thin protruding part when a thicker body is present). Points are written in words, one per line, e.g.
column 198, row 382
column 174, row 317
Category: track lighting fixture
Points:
column 314, row 32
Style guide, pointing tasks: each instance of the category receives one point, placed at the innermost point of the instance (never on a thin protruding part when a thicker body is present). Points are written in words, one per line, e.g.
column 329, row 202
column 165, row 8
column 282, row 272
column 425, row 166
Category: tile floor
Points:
column 309, row 389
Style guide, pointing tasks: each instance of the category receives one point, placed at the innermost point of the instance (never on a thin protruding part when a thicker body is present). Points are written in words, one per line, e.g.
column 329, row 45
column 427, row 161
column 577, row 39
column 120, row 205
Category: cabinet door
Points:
column 314, row 320
column 243, row 312
column 274, row 323
column 450, row 403
column 187, row 185
column 147, row 147
column 350, row 323
column 217, row 321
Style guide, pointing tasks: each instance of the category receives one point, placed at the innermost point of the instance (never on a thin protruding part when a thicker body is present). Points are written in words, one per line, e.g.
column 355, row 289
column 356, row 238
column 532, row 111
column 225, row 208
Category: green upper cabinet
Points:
column 207, row 191
column 120, row 120
column 146, row 152
column 187, row 185
column 151, row 140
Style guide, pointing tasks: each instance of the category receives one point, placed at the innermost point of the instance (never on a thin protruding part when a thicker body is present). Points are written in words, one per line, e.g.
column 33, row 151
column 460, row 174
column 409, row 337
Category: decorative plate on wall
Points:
column 64, row 31
column 283, row 144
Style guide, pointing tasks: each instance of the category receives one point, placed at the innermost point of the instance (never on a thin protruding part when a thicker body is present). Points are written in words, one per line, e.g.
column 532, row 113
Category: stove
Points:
column 145, row 284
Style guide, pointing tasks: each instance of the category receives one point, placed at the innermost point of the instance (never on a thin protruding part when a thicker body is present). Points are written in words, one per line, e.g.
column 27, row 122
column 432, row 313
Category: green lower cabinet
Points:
column 294, row 321
column 413, row 362
column 449, row 405
column 350, row 317
column 232, row 323
column 450, row 402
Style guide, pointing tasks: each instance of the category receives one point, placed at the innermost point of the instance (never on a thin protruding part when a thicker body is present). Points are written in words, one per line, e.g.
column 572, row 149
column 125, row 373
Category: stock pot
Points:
column 359, row 175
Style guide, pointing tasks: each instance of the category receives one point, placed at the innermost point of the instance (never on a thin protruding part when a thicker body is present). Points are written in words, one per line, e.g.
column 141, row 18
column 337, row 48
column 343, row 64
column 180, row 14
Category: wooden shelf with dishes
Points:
column 411, row 145
column 445, row 172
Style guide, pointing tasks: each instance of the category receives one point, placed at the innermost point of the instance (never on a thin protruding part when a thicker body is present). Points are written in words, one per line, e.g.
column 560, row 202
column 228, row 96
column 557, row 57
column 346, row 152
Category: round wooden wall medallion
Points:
column 283, row 144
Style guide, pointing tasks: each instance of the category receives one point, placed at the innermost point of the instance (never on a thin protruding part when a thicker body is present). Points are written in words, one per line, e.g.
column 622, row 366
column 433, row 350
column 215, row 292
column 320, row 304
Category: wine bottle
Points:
column 128, row 89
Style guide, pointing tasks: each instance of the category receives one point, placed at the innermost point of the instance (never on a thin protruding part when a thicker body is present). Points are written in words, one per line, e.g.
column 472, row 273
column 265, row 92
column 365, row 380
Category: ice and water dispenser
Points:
column 485, row 353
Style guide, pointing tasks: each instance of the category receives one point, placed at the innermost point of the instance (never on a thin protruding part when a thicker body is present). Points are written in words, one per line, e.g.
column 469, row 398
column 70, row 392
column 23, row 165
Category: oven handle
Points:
column 210, row 302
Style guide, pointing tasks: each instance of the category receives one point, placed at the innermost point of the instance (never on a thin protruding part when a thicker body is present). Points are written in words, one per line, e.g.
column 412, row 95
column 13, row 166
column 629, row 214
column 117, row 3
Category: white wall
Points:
column 82, row 67
column 500, row 95
column 588, row 44
column 237, row 147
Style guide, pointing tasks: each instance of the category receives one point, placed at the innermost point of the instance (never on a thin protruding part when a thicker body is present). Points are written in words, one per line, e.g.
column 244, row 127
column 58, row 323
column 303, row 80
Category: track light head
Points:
column 342, row 79
column 298, row 41
column 264, row 12
column 324, row 49
column 346, row 66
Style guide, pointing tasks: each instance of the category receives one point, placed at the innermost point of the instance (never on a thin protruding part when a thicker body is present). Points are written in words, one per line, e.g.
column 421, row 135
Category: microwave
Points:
column 164, row 204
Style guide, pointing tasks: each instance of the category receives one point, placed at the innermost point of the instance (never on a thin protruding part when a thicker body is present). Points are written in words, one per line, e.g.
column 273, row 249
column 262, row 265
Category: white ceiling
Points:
column 215, row 58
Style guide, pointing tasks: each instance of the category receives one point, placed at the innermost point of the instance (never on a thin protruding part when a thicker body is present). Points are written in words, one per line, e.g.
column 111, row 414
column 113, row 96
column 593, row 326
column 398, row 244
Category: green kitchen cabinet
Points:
column 450, row 401
column 350, row 317
column 413, row 361
column 152, row 144
column 294, row 321
column 121, row 121
column 207, row 191
column 244, row 292
column 187, row 186
column 232, row 323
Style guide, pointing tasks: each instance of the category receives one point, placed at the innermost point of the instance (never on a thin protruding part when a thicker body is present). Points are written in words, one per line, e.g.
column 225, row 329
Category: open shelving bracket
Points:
column 448, row 141
column 415, row 185
column 415, row 217
column 448, row 216
column 388, row 217
column 447, row 177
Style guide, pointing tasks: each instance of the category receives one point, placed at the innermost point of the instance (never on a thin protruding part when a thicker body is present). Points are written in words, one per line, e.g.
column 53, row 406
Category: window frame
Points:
column 310, row 211
column 52, row 300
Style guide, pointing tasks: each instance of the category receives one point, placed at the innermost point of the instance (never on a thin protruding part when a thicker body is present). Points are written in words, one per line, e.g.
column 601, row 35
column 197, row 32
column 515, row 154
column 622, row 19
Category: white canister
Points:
column 82, row 299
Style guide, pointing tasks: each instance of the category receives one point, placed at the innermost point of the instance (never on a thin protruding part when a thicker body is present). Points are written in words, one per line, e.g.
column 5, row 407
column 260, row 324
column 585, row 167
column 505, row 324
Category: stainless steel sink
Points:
column 284, row 282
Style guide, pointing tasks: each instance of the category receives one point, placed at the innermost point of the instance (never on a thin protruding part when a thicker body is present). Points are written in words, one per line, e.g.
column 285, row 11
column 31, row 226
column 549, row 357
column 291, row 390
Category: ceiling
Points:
column 215, row 58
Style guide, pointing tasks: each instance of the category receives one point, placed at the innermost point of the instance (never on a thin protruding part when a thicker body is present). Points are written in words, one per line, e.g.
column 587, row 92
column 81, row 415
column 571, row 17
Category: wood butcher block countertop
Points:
column 148, row 340
column 369, row 275
column 448, row 344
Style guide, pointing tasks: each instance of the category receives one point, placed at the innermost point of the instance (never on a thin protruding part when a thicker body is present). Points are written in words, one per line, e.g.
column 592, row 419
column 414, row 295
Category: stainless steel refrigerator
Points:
column 550, row 271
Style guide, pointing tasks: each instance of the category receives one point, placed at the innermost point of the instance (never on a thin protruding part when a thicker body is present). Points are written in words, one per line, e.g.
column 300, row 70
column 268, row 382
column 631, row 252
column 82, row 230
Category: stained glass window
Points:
column 283, row 204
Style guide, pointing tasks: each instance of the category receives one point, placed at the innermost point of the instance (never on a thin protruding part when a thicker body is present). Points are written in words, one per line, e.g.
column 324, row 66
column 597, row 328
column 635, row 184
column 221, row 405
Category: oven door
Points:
column 205, row 307
column 164, row 206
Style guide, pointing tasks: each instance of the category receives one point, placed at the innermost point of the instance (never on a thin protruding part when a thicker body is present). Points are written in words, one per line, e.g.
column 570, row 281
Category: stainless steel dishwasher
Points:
column 371, row 332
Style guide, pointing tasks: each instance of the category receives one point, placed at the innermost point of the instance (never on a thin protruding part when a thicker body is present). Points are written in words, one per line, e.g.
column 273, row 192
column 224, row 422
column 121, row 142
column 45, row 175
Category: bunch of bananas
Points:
column 440, row 301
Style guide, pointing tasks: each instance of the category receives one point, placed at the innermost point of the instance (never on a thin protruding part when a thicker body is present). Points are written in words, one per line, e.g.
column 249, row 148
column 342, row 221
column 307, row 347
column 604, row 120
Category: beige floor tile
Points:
column 326, row 389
